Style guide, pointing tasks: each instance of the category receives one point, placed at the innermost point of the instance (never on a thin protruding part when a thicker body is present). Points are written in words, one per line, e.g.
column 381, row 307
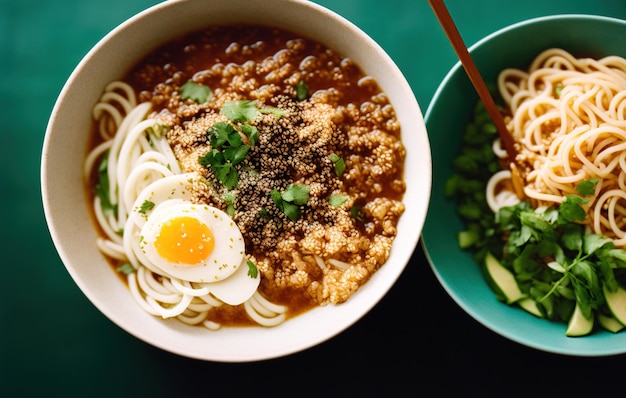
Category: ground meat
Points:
column 344, row 113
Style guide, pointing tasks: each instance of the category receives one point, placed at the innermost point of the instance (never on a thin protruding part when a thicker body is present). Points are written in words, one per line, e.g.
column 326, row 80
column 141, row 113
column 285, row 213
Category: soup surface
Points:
column 313, row 177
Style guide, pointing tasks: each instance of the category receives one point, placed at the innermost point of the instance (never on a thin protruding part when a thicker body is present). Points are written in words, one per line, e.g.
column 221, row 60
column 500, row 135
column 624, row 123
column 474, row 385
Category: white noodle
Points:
column 139, row 155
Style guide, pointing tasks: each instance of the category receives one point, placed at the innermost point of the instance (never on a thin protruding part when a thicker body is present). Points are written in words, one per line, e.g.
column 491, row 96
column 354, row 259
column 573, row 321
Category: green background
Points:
column 417, row 341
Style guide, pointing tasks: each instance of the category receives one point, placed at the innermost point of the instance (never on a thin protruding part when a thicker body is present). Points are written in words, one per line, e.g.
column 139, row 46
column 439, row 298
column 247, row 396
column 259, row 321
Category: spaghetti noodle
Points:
column 568, row 119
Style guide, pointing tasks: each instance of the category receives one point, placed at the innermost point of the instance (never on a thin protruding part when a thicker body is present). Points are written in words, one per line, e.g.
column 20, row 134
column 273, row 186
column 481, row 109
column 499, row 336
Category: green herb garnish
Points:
column 229, row 198
column 355, row 212
column 146, row 206
column 340, row 165
column 587, row 187
column 302, row 91
column 246, row 110
column 228, row 151
column 290, row 200
column 224, row 134
column 125, row 269
column 570, row 209
column 554, row 261
column 558, row 89
column 240, row 111
column 253, row 271
column 227, row 142
column 251, row 132
column 102, row 188
column 278, row 112
column 195, row 91
column 222, row 167
column 337, row 200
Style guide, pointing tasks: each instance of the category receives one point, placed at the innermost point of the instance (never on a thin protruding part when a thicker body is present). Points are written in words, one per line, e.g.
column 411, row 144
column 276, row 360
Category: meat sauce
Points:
column 263, row 63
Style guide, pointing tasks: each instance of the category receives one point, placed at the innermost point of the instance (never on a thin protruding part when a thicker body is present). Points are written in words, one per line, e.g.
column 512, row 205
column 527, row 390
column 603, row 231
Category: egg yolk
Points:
column 185, row 240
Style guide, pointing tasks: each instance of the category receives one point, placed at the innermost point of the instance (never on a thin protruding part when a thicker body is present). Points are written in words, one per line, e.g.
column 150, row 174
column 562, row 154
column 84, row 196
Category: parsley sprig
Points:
column 337, row 200
column 102, row 187
column 340, row 165
column 302, row 90
column 554, row 261
column 253, row 271
column 228, row 147
column 146, row 206
column 246, row 110
column 196, row 92
column 227, row 151
column 290, row 200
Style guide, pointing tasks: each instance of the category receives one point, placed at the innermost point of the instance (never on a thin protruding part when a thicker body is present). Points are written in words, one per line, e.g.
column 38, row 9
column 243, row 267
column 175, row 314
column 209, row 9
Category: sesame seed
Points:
column 345, row 114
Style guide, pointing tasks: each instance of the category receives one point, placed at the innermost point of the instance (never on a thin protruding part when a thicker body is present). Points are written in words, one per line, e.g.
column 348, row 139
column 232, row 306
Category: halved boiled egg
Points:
column 192, row 242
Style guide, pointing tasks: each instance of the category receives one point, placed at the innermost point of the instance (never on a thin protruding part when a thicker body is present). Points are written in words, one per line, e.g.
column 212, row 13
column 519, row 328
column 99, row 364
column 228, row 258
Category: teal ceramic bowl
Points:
column 446, row 117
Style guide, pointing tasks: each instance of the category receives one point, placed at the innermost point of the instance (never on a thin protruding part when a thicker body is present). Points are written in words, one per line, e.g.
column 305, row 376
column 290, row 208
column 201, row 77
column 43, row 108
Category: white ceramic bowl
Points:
column 66, row 206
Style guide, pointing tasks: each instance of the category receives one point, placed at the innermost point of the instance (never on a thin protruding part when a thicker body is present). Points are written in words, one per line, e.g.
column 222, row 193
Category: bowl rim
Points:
column 386, row 280
column 514, row 26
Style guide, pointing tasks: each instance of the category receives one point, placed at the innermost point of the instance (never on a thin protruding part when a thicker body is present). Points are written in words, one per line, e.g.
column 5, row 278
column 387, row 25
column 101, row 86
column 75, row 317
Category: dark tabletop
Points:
column 416, row 341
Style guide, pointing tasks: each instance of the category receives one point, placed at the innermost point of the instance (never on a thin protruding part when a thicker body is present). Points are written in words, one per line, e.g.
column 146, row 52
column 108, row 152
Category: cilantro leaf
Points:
column 224, row 171
column 278, row 112
column 291, row 199
column 302, row 91
column 195, row 91
column 125, row 268
column 146, row 206
column 219, row 133
column 240, row 111
column 234, row 139
column 593, row 243
column 236, row 154
column 572, row 236
column 296, row 194
column 227, row 151
column 291, row 210
column 355, row 212
column 277, row 198
column 227, row 174
column 340, row 165
column 253, row 271
column 587, row 187
column 251, row 132
column 102, row 188
column 558, row 89
column 213, row 157
column 337, row 200
column 570, row 210
column 534, row 220
column 229, row 198
column 618, row 254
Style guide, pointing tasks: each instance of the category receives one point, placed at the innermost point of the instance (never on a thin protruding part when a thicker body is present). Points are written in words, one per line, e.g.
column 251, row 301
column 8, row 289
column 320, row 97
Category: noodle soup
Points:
column 278, row 156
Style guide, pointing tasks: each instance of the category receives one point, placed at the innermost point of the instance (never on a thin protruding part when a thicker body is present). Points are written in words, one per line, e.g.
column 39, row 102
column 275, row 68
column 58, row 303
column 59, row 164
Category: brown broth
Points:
column 215, row 55
column 190, row 55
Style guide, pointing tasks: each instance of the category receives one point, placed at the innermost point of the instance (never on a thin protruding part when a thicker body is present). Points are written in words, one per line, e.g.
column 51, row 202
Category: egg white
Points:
column 238, row 288
column 179, row 186
column 226, row 258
